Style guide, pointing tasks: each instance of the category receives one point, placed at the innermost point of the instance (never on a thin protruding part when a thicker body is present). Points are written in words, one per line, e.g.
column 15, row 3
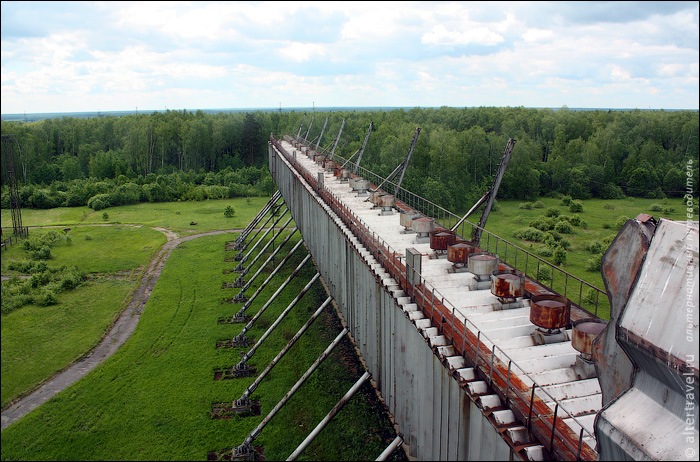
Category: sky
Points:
column 144, row 56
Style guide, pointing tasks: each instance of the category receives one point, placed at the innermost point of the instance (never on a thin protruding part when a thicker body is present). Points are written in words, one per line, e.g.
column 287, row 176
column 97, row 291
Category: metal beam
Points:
column 241, row 313
column 408, row 159
column 263, row 211
column 390, row 449
column 337, row 138
column 476, row 235
column 362, row 149
column 247, row 355
column 269, row 258
column 253, row 386
column 256, row 431
column 321, row 135
column 273, row 297
column 322, row 424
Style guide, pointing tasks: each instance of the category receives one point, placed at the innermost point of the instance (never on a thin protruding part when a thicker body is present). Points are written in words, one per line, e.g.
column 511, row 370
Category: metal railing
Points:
column 490, row 361
column 582, row 294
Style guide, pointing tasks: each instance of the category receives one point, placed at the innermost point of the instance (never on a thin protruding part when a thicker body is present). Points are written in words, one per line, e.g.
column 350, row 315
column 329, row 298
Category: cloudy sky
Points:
column 117, row 56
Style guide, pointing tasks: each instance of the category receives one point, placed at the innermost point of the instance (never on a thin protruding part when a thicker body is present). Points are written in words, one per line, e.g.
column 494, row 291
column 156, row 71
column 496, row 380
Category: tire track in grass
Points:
column 116, row 336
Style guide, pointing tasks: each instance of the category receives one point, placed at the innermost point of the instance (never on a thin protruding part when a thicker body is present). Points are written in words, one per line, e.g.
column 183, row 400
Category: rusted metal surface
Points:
column 583, row 332
column 550, row 311
column 387, row 200
column 620, row 267
column 441, row 240
column 658, row 330
column 406, row 218
column 507, row 284
column 459, row 253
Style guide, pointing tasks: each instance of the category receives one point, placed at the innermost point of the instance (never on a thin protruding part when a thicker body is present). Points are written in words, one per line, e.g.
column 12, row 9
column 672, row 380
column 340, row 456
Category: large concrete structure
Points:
column 478, row 361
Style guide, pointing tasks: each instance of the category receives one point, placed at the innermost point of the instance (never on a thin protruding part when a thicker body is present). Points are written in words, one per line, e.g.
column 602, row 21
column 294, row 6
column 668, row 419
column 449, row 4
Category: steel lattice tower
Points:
column 9, row 174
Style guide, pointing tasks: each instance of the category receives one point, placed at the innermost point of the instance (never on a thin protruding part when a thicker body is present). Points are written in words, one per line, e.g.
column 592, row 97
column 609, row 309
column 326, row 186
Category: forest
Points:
column 182, row 155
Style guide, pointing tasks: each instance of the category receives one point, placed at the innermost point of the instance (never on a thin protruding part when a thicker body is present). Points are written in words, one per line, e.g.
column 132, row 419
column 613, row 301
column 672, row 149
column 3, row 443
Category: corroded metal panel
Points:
column 658, row 329
column 620, row 267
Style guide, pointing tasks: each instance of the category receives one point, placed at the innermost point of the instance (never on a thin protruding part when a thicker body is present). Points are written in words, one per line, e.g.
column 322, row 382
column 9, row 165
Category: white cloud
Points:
column 301, row 52
column 440, row 35
column 257, row 54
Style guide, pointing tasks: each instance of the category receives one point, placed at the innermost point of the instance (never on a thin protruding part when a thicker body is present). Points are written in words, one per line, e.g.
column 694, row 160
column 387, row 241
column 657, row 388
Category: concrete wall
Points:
column 436, row 417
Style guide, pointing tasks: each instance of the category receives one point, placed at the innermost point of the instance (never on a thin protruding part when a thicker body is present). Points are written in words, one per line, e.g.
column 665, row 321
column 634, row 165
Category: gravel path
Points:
column 120, row 331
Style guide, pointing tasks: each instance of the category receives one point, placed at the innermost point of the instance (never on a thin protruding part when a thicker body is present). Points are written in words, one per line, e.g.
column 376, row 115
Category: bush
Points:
column 593, row 264
column 611, row 191
column 544, row 274
column 530, row 234
column 559, row 256
column 45, row 298
column 655, row 207
column 525, row 205
column 566, row 201
column 545, row 251
column 552, row 212
column 229, row 212
column 99, row 202
column 595, row 247
column 538, row 205
column 43, row 253
column 563, row 227
column 543, row 224
column 576, row 207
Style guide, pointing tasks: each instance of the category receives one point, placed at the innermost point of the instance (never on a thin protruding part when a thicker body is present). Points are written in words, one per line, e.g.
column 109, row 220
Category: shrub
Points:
column 525, row 205
column 530, row 234
column 595, row 247
column 593, row 264
column 576, row 207
column 552, row 212
column 99, row 202
column 545, row 251
column 566, row 201
column 591, row 296
column 229, row 212
column 655, row 207
column 543, row 224
column 611, row 191
column 105, row 216
column 563, row 227
column 559, row 256
column 45, row 298
column 43, row 253
column 538, row 205
column 544, row 274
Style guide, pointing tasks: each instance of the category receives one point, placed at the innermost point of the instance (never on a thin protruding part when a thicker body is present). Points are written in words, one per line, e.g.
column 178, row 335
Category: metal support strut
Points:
column 246, row 447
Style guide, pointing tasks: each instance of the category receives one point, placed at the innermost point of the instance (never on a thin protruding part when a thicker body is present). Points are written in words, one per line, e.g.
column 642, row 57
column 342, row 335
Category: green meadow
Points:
column 152, row 399
column 596, row 226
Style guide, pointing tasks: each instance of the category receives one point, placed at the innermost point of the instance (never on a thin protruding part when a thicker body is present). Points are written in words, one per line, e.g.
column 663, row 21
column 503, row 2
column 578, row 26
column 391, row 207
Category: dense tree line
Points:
column 181, row 155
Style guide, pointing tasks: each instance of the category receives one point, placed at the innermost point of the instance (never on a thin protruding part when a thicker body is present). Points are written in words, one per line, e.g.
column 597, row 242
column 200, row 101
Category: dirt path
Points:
column 120, row 331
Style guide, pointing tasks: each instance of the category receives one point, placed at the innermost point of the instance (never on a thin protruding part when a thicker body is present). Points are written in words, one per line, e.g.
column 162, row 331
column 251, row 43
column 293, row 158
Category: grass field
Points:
column 602, row 218
column 151, row 400
column 174, row 216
